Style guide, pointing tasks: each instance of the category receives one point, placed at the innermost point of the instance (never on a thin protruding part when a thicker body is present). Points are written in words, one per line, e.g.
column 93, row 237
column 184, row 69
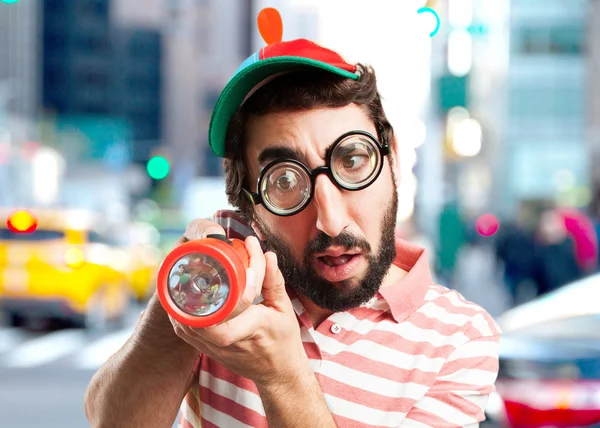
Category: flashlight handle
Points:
column 240, row 248
column 237, row 244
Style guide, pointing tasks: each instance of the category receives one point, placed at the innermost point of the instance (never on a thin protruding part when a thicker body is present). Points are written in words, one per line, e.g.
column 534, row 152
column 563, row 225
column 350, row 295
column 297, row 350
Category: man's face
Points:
column 336, row 251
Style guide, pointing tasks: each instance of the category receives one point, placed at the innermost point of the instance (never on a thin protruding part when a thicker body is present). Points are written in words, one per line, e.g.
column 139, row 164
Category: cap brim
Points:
column 244, row 81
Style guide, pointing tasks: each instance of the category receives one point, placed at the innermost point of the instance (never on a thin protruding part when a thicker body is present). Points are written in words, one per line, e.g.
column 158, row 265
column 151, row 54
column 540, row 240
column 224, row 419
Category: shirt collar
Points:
column 406, row 296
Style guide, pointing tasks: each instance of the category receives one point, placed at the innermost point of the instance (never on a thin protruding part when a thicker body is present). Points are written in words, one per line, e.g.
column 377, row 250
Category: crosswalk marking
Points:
column 96, row 354
column 44, row 349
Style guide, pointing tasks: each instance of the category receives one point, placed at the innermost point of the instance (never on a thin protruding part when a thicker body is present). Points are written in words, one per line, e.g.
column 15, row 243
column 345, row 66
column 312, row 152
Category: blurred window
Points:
column 97, row 238
column 55, row 42
column 565, row 100
column 99, row 108
column 567, row 40
column 54, row 6
column 533, row 40
column 555, row 40
column 89, row 43
column 37, row 235
column 94, row 77
column 54, row 77
column 93, row 7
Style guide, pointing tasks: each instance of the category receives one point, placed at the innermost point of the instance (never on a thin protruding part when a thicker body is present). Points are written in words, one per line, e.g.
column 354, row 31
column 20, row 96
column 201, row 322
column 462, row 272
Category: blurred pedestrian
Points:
column 515, row 251
column 595, row 217
column 582, row 231
column 452, row 236
column 556, row 261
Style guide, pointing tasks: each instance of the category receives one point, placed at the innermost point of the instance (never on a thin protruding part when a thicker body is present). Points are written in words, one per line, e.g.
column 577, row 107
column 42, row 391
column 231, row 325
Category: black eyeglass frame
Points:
column 257, row 199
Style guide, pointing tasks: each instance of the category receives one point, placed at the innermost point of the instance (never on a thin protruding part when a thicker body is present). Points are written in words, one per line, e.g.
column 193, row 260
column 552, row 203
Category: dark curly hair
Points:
column 296, row 91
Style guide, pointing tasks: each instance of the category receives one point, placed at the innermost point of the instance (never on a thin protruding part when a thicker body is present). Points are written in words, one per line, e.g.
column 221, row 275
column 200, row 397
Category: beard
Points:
column 304, row 280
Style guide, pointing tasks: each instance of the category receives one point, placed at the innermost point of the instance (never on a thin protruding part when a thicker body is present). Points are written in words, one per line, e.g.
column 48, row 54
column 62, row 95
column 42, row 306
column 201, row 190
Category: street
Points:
column 44, row 374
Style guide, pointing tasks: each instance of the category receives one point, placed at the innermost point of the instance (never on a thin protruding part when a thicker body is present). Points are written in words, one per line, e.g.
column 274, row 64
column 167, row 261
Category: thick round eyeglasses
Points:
column 285, row 186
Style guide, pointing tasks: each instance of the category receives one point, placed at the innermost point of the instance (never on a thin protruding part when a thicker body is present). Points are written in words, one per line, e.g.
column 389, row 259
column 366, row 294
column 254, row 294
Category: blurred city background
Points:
column 104, row 109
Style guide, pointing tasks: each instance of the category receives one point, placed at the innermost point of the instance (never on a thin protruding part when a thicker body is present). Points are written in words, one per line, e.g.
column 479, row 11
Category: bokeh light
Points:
column 22, row 221
column 487, row 225
column 158, row 167
column 74, row 257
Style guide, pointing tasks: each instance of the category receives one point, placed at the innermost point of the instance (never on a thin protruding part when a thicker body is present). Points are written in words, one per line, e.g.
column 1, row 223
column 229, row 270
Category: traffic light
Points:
column 158, row 167
column 10, row 1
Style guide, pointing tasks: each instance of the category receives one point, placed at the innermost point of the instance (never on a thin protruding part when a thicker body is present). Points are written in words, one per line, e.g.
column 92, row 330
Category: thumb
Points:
column 198, row 229
column 273, row 289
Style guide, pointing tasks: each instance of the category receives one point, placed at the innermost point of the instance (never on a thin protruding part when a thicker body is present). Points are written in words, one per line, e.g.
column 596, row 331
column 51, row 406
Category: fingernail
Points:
column 212, row 230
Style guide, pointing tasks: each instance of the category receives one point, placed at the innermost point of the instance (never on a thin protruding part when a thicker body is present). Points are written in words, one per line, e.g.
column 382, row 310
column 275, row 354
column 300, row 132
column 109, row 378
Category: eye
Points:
column 286, row 183
column 354, row 162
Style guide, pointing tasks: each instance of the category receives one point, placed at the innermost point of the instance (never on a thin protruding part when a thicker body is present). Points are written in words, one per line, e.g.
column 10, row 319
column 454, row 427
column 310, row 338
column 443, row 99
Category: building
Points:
column 593, row 99
column 19, row 96
column 544, row 134
column 137, row 87
column 101, row 81
column 527, row 88
column 19, row 58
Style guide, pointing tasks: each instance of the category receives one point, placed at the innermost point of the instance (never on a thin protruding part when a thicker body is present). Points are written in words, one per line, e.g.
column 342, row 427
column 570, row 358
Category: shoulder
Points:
column 458, row 316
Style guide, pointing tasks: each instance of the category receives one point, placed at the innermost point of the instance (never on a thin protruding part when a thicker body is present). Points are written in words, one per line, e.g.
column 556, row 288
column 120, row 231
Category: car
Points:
column 64, row 269
column 143, row 259
column 549, row 372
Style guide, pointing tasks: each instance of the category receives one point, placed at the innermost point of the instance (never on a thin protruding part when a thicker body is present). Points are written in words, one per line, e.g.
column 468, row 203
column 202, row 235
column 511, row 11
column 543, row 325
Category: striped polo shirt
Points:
column 416, row 355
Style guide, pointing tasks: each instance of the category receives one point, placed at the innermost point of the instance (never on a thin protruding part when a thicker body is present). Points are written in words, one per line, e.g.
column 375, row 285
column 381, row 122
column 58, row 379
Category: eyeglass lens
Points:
column 354, row 162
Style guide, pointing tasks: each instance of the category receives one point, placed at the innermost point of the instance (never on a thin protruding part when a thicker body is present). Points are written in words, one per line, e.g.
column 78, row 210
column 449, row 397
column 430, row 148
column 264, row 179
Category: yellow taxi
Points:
column 143, row 259
column 54, row 264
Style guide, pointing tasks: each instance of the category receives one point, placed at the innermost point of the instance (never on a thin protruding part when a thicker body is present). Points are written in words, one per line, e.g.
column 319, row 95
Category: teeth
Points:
column 341, row 260
column 336, row 261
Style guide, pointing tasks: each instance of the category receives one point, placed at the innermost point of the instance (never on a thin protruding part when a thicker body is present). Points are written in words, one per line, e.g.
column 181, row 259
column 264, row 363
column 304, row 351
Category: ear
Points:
column 395, row 154
column 257, row 231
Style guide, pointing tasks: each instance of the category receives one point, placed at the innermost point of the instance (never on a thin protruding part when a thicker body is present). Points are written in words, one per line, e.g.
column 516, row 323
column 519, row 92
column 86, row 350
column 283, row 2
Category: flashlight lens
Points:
column 198, row 284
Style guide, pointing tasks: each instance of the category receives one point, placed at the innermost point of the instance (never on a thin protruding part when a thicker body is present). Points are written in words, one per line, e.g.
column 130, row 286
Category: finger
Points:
column 248, row 297
column 188, row 335
column 200, row 228
column 273, row 289
column 233, row 330
column 257, row 261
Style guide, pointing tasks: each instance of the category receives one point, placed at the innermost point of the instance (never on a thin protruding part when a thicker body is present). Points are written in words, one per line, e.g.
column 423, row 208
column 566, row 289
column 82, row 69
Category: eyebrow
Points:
column 278, row 152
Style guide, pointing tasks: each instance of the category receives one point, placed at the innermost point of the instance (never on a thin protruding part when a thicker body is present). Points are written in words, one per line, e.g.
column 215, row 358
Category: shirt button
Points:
column 335, row 329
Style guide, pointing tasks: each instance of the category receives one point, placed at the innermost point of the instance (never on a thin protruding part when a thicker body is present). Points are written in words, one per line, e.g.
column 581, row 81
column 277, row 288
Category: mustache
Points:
column 345, row 240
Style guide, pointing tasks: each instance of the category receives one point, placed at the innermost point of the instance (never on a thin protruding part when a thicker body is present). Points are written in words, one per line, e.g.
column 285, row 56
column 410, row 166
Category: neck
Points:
column 317, row 314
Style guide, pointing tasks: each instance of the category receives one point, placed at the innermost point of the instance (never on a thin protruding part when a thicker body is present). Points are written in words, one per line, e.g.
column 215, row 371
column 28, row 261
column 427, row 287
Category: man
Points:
column 351, row 331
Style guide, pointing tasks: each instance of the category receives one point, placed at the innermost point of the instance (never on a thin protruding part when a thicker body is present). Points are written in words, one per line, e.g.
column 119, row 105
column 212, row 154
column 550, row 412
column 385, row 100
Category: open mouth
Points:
column 337, row 261
column 337, row 265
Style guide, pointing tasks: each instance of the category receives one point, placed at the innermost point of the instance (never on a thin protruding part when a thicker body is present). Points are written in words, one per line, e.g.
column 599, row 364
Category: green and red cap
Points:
column 261, row 67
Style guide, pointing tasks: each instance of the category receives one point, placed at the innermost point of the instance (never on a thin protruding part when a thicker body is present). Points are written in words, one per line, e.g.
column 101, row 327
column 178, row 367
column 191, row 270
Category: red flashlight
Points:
column 201, row 282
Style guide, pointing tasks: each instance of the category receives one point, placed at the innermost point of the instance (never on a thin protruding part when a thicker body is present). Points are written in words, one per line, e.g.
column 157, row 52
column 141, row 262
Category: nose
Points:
column 332, row 217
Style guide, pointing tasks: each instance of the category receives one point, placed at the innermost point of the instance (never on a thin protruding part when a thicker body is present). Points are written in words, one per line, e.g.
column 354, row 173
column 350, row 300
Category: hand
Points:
column 263, row 342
